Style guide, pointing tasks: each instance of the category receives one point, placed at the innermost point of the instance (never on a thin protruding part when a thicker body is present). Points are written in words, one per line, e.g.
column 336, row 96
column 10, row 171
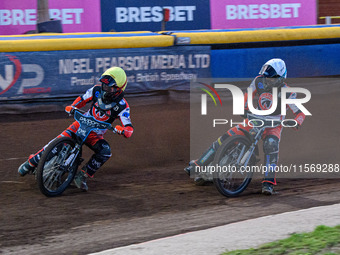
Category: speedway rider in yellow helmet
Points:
column 107, row 104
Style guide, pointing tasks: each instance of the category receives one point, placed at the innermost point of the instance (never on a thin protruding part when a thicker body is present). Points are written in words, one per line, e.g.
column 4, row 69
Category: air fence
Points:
column 45, row 67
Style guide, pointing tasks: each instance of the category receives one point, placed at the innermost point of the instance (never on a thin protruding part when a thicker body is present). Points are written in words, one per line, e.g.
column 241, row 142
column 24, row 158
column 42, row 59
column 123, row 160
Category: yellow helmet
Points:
column 114, row 82
column 119, row 76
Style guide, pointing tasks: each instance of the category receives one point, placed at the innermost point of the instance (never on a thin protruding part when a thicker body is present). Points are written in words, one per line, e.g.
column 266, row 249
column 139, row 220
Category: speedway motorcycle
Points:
column 236, row 156
column 61, row 158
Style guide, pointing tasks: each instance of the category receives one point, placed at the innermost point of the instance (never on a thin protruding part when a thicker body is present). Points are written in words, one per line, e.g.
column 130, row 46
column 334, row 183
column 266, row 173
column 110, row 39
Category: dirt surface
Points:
column 142, row 192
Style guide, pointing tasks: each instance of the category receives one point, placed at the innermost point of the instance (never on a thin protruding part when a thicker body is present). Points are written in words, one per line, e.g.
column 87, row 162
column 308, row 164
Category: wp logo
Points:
column 11, row 76
column 23, row 77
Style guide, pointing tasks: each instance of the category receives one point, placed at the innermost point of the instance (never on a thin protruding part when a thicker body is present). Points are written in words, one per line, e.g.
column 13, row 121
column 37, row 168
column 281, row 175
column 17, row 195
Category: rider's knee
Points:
column 220, row 140
column 102, row 150
column 102, row 154
column 271, row 144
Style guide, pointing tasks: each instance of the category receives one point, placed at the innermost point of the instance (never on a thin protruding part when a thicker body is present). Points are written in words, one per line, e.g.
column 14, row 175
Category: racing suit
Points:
column 95, row 141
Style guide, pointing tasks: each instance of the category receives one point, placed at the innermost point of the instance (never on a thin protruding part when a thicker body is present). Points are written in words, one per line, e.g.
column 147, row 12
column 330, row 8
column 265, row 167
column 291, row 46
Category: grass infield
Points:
column 323, row 240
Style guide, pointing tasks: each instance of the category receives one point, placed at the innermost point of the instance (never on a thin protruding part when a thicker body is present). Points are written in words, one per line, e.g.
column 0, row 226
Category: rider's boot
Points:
column 199, row 179
column 26, row 167
column 80, row 180
column 207, row 157
column 204, row 160
column 191, row 168
column 268, row 189
column 271, row 150
column 90, row 168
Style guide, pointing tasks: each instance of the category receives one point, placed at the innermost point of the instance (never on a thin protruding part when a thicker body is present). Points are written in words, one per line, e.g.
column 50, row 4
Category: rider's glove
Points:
column 69, row 109
column 126, row 131
column 300, row 117
column 119, row 129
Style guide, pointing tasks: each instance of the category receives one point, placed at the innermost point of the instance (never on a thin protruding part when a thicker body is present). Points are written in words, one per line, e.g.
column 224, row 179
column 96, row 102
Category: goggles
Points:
column 110, row 89
column 268, row 71
column 109, row 84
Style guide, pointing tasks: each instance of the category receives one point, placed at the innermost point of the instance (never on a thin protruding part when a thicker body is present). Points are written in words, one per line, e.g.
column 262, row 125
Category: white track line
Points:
column 8, row 159
column 239, row 235
column 15, row 182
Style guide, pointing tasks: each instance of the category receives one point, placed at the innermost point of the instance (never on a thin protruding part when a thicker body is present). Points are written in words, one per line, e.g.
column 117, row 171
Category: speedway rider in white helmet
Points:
column 272, row 74
column 107, row 104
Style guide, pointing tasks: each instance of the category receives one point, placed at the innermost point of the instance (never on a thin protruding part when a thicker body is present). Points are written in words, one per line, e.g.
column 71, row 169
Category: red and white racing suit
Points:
column 102, row 112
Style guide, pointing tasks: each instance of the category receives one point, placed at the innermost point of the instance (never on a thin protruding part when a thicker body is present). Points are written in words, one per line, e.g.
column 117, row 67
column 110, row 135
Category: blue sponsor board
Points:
column 26, row 75
column 132, row 15
column 301, row 61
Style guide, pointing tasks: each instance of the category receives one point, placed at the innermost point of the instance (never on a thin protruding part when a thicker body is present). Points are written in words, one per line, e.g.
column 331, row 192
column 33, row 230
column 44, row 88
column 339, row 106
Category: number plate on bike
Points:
column 89, row 121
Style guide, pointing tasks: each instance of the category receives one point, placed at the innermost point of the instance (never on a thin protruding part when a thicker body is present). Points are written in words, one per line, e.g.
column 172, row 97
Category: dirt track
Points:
column 142, row 192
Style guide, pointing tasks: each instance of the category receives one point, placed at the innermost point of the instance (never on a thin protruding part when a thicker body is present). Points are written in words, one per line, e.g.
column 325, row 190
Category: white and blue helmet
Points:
column 275, row 72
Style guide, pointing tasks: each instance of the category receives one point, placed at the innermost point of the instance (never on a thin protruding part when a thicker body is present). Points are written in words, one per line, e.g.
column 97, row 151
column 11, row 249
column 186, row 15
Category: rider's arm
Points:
column 299, row 115
column 81, row 101
column 126, row 129
column 253, row 87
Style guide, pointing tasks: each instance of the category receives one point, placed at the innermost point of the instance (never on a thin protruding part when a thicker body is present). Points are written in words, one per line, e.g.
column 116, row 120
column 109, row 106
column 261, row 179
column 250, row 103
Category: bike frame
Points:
column 254, row 137
column 240, row 154
column 67, row 158
column 87, row 124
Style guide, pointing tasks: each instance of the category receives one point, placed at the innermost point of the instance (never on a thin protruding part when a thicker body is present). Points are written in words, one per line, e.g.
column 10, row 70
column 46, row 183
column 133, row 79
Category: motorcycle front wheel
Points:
column 229, row 178
column 54, row 172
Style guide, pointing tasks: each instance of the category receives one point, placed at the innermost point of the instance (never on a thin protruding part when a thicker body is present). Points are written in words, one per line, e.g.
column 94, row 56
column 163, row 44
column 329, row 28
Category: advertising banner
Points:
column 301, row 61
column 18, row 17
column 27, row 75
column 227, row 14
column 131, row 15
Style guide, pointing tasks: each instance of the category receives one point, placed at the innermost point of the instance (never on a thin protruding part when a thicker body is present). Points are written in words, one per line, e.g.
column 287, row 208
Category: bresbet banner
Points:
column 19, row 17
column 226, row 14
column 27, row 75
column 131, row 15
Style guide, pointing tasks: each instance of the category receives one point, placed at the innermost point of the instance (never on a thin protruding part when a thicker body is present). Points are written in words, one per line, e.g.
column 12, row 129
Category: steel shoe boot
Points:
column 25, row 168
column 190, row 169
column 80, row 181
